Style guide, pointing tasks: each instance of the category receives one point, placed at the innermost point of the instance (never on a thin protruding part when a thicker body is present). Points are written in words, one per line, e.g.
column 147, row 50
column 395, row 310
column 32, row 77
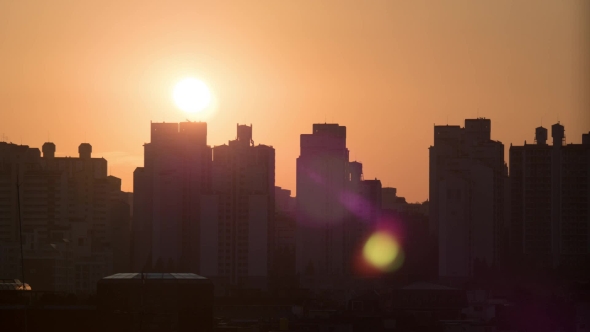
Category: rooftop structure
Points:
column 154, row 276
column 155, row 301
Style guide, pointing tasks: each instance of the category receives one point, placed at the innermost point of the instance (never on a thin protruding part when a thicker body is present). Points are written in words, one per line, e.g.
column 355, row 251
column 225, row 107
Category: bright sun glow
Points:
column 380, row 250
column 192, row 95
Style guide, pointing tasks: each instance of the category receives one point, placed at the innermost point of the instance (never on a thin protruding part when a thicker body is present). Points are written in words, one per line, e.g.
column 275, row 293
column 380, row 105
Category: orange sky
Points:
column 99, row 71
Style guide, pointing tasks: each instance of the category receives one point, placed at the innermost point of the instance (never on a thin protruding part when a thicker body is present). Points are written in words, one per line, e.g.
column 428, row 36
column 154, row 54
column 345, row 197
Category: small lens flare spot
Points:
column 381, row 250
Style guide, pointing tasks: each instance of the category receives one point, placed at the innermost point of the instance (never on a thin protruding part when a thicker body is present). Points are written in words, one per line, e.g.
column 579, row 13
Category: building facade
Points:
column 166, row 200
column 466, row 204
column 550, row 193
column 65, row 229
column 205, row 210
column 282, row 272
column 238, row 214
column 336, row 209
column 322, row 181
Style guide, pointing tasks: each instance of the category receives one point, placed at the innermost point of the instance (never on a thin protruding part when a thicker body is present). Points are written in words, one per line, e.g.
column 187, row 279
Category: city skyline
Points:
column 127, row 182
column 332, row 165
column 388, row 71
column 213, row 216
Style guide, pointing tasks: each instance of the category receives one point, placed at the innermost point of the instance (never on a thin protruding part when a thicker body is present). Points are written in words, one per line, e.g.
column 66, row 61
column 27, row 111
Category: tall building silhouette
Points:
column 67, row 209
column 167, row 192
column 322, row 180
column 363, row 203
column 16, row 161
column 282, row 271
column 119, row 218
column 550, row 194
column 238, row 215
column 335, row 210
column 87, row 178
column 88, row 213
column 467, row 188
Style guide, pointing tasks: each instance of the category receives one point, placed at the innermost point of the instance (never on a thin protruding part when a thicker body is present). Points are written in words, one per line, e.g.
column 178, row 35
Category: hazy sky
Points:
column 100, row 71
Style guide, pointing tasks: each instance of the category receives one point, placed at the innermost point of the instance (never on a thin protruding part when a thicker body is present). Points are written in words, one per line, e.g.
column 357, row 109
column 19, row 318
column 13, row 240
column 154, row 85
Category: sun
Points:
column 191, row 95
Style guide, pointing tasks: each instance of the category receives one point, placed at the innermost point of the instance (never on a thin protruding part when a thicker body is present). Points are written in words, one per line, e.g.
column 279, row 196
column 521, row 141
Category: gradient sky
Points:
column 100, row 71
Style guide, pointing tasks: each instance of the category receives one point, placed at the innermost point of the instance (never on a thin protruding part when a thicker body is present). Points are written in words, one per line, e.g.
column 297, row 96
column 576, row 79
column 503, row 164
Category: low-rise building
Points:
column 155, row 301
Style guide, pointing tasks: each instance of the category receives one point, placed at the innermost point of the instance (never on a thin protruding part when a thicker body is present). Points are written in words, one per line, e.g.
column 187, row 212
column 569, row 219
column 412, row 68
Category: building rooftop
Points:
column 426, row 286
column 155, row 276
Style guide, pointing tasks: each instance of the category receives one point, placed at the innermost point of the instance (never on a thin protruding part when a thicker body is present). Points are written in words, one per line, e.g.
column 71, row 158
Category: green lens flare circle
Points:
column 381, row 250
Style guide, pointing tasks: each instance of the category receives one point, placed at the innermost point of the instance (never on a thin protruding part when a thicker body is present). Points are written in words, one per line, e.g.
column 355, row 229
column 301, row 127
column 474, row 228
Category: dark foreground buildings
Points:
column 155, row 302
column 124, row 302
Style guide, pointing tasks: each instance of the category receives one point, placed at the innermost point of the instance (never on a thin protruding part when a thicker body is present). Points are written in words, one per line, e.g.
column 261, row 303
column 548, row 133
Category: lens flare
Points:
column 381, row 251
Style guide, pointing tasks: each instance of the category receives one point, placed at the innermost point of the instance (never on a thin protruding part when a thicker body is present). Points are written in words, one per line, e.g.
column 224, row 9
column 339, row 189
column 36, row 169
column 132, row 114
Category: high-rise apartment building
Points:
column 336, row 208
column 67, row 234
column 467, row 208
column 87, row 189
column 238, row 214
column 322, row 183
column 16, row 163
column 166, row 200
column 204, row 210
column 550, row 194
column 88, row 214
